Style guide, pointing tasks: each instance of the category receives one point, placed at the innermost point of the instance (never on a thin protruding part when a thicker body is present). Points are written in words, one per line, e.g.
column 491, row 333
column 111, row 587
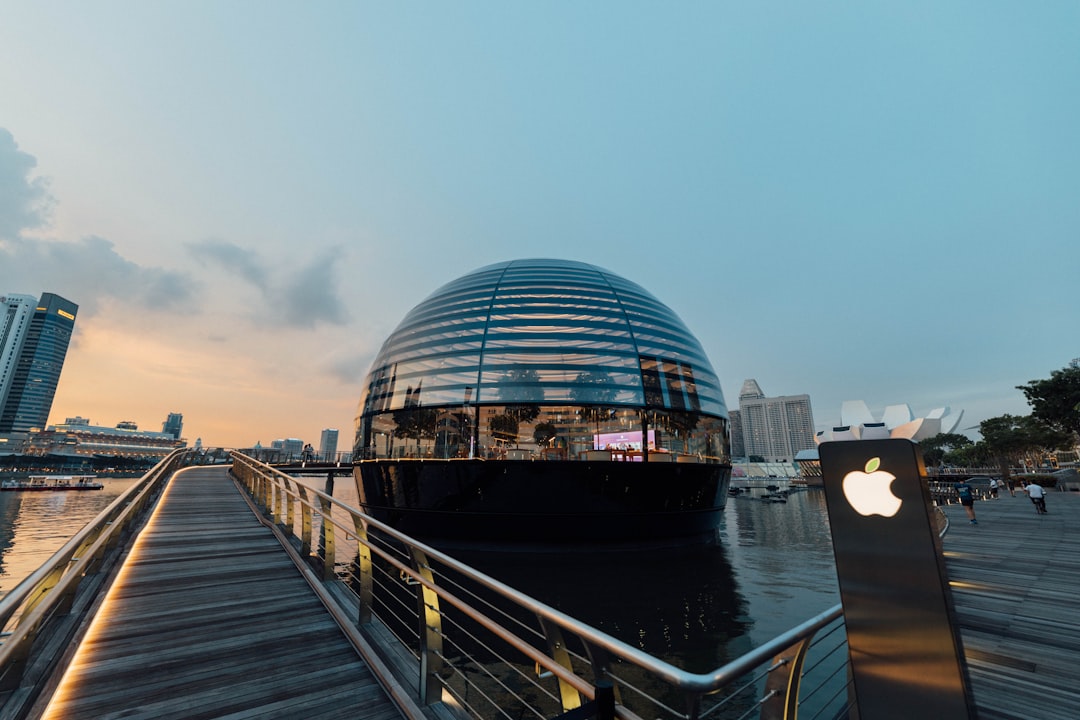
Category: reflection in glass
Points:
column 550, row 359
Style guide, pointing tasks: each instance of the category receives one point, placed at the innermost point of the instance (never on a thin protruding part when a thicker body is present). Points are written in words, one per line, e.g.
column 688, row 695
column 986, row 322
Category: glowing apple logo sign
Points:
column 869, row 492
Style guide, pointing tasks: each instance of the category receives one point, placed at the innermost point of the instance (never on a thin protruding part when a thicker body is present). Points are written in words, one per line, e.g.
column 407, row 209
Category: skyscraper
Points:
column 174, row 425
column 738, row 447
column 17, row 309
column 36, row 347
column 775, row 428
column 328, row 445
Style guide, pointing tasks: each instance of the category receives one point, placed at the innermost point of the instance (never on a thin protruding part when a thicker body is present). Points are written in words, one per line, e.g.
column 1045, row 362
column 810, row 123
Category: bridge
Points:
column 236, row 591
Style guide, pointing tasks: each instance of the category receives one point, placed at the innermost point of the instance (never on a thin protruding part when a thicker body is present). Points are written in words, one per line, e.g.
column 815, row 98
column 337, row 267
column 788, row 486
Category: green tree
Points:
column 504, row 427
column 416, row 423
column 544, row 433
column 1056, row 401
column 970, row 455
column 520, row 389
column 936, row 448
column 1009, row 438
column 594, row 386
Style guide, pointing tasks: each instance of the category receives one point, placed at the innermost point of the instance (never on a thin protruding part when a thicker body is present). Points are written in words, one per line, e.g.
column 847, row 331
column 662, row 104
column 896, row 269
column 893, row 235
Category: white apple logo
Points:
column 869, row 492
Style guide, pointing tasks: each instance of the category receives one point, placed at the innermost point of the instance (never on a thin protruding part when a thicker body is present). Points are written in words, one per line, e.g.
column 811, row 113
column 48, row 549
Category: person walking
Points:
column 967, row 499
column 1037, row 493
column 993, row 488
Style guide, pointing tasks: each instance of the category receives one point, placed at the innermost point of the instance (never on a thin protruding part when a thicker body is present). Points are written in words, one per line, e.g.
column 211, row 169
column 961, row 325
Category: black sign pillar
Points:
column 906, row 654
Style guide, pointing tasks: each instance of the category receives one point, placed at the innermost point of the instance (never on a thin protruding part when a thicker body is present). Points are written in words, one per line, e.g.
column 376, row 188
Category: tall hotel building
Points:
column 174, row 425
column 774, row 428
column 34, row 337
column 328, row 445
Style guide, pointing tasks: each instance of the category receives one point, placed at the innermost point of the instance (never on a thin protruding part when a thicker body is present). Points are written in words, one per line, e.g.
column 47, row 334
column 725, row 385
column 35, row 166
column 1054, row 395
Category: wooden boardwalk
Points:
column 1016, row 587
column 209, row 618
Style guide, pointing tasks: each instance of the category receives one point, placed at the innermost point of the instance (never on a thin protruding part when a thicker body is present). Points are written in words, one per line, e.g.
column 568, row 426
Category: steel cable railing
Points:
column 40, row 607
column 492, row 651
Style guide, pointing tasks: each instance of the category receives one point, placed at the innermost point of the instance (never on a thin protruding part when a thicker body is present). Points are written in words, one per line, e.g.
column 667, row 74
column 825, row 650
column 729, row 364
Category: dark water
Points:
column 695, row 607
column 34, row 525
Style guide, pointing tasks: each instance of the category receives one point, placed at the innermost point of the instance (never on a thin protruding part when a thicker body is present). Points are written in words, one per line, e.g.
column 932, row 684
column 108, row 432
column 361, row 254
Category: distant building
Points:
column 33, row 345
column 290, row 448
column 774, row 428
column 328, row 444
column 77, row 437
column 173, row 425
column 897, row 421
column 17, row 309
column 738, row 447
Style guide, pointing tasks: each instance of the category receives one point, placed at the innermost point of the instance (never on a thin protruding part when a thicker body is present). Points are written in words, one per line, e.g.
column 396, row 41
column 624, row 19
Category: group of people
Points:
column 1036, row 492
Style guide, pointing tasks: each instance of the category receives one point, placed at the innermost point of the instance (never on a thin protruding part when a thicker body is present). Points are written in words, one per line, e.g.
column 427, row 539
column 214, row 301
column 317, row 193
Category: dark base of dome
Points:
column 538, row 505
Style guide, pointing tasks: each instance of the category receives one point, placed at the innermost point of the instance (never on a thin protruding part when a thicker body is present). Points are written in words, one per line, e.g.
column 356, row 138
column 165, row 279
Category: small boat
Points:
column 53, row 482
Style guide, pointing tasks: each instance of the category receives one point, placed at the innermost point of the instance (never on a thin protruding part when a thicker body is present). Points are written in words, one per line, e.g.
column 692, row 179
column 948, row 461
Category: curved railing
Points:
column 36, row 613
column 477, row 644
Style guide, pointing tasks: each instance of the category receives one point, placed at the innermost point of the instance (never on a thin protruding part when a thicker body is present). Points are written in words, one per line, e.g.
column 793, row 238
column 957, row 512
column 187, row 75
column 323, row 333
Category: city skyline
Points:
column 856, row 202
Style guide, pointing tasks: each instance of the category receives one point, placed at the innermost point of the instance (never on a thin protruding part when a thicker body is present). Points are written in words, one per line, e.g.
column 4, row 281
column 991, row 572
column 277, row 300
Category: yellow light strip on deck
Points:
column 101, row 620
column 968, row 585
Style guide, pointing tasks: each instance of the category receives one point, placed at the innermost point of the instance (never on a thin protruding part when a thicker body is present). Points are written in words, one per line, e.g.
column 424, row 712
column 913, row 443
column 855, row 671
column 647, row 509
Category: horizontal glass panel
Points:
column 546, row 332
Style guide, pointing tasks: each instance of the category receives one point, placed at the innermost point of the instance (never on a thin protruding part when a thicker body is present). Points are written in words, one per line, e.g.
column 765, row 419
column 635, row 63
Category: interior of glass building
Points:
column 542, row 360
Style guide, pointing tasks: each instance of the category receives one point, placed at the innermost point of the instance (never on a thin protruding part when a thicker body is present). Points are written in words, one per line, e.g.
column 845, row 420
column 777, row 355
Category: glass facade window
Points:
column 542, row 359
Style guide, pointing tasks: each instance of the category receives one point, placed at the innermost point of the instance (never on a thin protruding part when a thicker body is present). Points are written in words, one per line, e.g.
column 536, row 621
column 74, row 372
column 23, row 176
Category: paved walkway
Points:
column 1016, row 587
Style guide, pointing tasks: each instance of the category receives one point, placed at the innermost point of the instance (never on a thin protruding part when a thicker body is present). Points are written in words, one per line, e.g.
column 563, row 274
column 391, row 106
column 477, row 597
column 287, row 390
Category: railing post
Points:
column 568, row 694
column 782, row 688
column 600, row 661
column 605, row 700
column 305, row 515
column 276, row 490
column 431, row 660
column 267, row 494
column 365, row 579
column 290, row 514
column 326, row 540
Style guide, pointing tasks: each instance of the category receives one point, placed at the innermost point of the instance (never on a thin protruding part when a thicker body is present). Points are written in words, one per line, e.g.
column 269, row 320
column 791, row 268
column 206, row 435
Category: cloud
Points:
column 245, row 263
column 303, row 296
column 25, row 203
column 89, row 272
column 350, row 369
column 310, row 295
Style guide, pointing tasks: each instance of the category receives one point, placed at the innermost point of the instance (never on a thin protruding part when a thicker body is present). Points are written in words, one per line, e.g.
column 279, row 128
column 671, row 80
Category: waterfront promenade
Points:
column 210, row 618
column 1016, row 585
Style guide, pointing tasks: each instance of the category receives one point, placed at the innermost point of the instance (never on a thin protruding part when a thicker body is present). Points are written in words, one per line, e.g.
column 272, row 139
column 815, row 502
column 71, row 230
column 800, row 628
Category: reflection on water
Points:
column 783, row 559
column 696, row 607
column 34, row 525
column 665, row 603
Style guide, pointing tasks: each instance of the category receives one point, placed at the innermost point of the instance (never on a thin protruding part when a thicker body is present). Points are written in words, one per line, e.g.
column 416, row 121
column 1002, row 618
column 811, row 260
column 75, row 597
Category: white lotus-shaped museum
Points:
column 858, row 423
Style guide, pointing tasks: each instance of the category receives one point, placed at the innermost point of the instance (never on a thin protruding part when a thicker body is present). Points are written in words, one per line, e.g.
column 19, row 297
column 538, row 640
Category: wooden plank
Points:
column 1016, row 580
column 210, row 618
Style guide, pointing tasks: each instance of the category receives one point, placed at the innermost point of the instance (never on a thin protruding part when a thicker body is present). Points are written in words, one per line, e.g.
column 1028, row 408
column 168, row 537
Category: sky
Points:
column 875, row 201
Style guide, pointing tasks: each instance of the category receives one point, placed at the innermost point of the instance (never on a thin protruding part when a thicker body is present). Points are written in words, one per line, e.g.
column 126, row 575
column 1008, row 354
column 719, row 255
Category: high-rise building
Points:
column 291, row 448
column 328, row 444
column 775, row 428
column 174, row 425
column 36, row 347
column 17, row 309
column 738, row 447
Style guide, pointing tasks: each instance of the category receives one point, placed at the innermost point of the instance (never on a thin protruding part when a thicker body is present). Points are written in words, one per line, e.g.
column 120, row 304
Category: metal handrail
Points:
column 413, row 562
column 49, row 592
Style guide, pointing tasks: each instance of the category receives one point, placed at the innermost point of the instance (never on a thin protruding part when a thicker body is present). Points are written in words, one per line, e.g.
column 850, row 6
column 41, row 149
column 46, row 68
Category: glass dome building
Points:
column 543, row 400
